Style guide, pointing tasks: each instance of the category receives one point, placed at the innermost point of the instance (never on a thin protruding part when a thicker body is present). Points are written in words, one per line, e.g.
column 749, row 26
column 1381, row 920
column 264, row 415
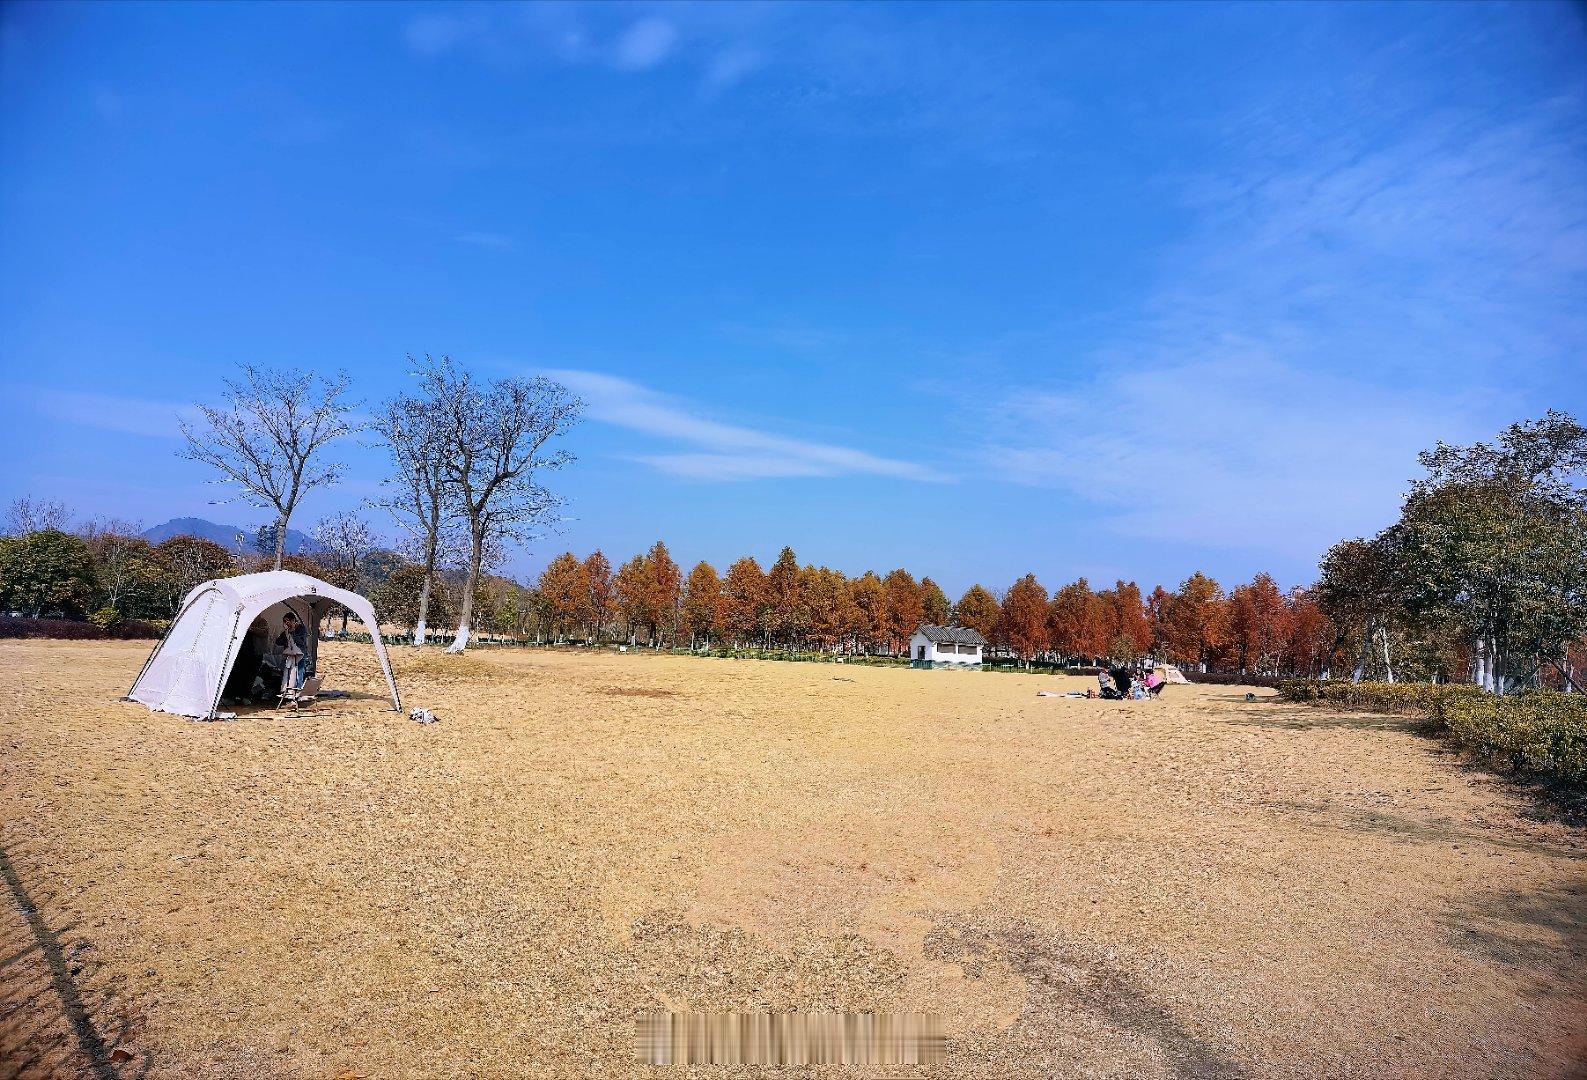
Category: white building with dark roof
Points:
column 957, row 645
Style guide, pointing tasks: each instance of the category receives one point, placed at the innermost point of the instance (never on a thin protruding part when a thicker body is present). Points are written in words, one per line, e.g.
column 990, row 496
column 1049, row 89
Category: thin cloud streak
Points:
column 493, row 241
column 644, row 44
column 723, row 451
column 114, row 412
column 1274, row 391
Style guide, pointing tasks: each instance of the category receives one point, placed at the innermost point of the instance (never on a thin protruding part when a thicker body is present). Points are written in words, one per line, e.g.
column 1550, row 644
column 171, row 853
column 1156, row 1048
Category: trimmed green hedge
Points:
column 1539, row 731
column 1407, row 697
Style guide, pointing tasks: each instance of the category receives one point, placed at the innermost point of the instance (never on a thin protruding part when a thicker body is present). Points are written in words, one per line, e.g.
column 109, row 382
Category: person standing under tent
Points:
column 293, row 641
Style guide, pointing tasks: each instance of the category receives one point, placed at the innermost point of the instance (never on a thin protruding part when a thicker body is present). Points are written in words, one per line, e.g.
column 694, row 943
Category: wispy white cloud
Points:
column 126, row 415
column 731, row 66
column 644, row 44
column 506, row 36
column 436, row 34
column 786, row 337
column 719, row 451
column 1237, row 450
column 1323, row 320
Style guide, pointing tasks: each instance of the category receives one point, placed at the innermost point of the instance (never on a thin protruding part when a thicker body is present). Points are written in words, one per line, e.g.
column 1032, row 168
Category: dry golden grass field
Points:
column 1194, row 887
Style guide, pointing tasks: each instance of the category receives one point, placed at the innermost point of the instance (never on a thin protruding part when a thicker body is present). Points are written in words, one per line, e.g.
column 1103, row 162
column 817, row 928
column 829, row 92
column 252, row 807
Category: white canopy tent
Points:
column 188, row 669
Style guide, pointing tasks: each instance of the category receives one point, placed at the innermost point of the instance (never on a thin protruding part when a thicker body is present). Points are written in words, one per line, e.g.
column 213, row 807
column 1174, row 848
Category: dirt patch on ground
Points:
column 1199, row 886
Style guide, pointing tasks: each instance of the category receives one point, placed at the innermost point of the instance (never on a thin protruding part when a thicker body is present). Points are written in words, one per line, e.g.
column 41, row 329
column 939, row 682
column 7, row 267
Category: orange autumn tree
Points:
column 664, row 596
column 1312, row 637
column 565, row 589
column 1126, row 627
column 1156, row 616
column 870, row 608
column 702, row 603
column 785, row 611
column 1258, row 625
column 1196, row 621
column 904, row 609
column 744, row 602
column 978, row 609
column 1071, row 618
column 830, row 605
column 933, row 603
column 1023, row 626
column 630, row 593
column 598, row 569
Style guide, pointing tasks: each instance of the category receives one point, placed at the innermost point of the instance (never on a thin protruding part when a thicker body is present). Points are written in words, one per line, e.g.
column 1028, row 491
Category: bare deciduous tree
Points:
column 495, row 439
column 116, row 546
column 345, row 540
column 26, row 515
column 418, row 495
column 266, row 439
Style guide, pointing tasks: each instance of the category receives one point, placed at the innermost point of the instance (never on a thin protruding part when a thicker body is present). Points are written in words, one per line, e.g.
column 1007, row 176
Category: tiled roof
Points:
column 950, row 635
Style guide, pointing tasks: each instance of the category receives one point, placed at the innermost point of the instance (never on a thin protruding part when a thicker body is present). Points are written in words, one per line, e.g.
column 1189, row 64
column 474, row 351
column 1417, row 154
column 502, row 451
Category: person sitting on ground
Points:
column 1115, row 683
column 1154, row 683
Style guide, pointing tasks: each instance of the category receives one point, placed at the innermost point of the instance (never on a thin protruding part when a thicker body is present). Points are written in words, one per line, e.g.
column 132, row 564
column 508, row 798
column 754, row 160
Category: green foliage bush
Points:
column 47, row 573
column 1539, row 731
column 1400, row 697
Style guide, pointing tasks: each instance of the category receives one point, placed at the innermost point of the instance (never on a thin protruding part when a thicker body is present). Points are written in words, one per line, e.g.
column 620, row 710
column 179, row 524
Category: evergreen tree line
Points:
column 106, row 573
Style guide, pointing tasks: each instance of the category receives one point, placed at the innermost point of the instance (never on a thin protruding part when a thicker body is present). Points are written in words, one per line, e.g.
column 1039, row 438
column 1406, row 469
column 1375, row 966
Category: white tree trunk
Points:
column 419, row 629
column 281, row 539
column 475, row 557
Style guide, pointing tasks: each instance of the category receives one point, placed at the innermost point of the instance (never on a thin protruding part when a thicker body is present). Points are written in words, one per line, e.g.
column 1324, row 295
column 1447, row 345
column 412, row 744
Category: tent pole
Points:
column 225, row 671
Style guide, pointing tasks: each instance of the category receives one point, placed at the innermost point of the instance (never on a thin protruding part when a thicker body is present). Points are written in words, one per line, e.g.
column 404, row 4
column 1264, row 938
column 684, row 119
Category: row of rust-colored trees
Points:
column 1257, row 627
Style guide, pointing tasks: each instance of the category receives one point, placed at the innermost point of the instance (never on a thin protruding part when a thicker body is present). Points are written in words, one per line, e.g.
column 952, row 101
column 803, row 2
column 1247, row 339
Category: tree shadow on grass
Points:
column 1277, row 714
column 1062, row 977
column 267, row 709
column 1421, row 830
column 1544, row 932
column 1547, row 800
column 31, row 1050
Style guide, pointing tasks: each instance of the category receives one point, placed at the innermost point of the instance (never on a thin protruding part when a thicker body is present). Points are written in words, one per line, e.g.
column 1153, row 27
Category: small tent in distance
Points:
column 188, row 669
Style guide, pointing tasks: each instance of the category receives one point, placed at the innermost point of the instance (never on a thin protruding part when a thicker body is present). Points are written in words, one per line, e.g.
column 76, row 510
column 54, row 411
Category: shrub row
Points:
column 1540, row 731
column 1223, row 678
column 790, row 654
column 73, row 630
column 1405, row 697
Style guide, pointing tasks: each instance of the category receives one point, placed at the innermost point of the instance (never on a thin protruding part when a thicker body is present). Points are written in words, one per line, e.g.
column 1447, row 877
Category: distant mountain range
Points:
column 225, row 535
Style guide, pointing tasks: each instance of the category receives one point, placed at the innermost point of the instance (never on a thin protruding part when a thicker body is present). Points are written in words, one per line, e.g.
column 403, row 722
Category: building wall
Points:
column 943, row 654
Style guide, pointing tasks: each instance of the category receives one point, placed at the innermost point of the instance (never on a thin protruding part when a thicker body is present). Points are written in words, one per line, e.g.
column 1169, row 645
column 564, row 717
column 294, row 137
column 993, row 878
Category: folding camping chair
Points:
column 306, row 694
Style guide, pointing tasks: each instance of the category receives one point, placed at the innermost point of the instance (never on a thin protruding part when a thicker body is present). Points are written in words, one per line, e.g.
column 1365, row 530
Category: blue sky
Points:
column 1114, row 291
